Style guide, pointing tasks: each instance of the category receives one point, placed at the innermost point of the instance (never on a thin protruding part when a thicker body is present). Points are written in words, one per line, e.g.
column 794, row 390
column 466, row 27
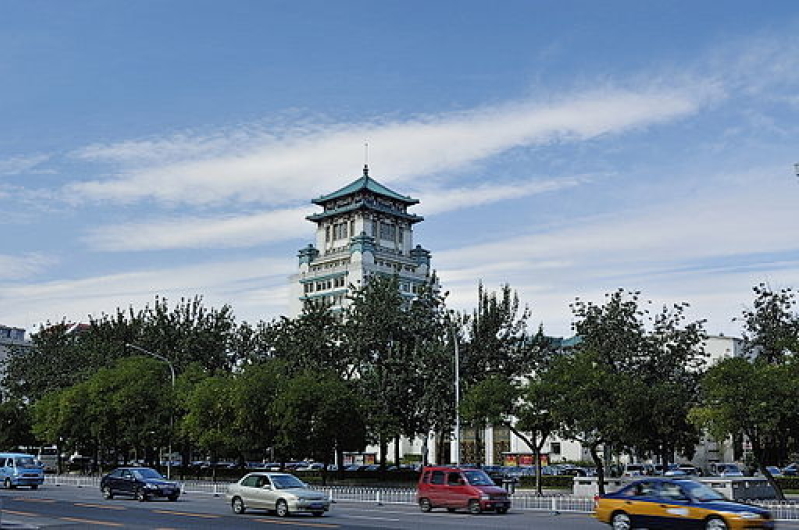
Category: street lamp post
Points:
column 457, row 397
column 171, row 411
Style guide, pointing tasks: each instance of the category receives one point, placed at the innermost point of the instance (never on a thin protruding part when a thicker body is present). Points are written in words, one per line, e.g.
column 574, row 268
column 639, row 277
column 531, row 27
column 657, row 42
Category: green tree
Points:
column 377, row 333
column 771, row 326
column 497, row 345
column 211, row 405
column 15, row 425
column 628, row 364
column 317, row 414
column 749, row 398
column 52, row 362
column 521, row 406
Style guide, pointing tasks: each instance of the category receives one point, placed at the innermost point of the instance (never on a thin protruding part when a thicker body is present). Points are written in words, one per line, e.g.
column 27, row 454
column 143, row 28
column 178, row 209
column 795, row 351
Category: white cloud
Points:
column 21, row 164
column 286, row 168
column 23, row 266
column 202, row 232
column 708, row 251
column 255, row 288
column 438, row 200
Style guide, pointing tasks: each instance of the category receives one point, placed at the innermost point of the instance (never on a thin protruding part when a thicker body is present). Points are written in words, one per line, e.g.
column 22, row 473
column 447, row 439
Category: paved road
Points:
column 51, row 508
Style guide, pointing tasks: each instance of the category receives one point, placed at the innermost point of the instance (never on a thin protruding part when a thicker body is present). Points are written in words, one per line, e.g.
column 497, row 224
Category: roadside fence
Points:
column 522, row 500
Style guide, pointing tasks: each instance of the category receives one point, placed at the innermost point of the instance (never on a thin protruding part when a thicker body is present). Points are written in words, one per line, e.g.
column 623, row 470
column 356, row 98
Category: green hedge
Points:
column 788, row 483
column 562, row 482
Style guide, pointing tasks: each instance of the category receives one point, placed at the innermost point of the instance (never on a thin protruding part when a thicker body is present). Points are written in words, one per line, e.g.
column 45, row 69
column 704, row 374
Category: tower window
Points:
column 340, row 231
column 388, row 231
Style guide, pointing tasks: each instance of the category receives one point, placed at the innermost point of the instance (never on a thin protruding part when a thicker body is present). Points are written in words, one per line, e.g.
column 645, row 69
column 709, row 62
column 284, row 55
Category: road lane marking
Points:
column 298, row 523
column 90, row 521
column 372, row 518
column 28, row 499
column 14, row 512
column 188, row 514
column 101, row 506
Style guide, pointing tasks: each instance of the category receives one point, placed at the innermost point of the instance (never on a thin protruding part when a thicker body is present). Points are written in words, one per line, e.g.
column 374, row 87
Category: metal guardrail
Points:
column 522, row 500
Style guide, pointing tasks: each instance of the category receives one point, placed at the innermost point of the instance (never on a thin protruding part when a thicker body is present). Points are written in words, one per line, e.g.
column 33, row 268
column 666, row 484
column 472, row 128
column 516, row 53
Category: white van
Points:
column 20, row 469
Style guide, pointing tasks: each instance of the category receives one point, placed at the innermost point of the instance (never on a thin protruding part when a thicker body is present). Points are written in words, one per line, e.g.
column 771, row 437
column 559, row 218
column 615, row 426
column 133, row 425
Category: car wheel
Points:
column 474, row 507
column 282, row 509
column 107, row 493
column 620, row 521
column 141, row 496
column 238, row 505
column 173, row 498
column 8, row 485
column 502, row 510
column 317, row 514
column 424, row 505
column 450, row 510
column 716, row 523
column 34, row 486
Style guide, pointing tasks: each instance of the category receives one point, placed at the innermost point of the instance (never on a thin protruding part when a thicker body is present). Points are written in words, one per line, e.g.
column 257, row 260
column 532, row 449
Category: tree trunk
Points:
column 383, row 451
column 535, row 446
column 759, row 454
column 397, row 451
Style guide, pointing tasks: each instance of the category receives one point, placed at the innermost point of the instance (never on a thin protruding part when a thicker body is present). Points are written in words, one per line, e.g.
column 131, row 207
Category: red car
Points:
column 457, row 488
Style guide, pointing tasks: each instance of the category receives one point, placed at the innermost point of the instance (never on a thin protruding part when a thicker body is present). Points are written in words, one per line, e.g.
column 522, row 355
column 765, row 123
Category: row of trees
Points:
column 635, row 380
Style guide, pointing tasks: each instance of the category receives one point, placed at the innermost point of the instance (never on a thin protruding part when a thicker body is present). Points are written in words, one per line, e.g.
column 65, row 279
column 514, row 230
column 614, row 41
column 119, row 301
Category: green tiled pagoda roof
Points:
column 365, row 183
column 413, row 218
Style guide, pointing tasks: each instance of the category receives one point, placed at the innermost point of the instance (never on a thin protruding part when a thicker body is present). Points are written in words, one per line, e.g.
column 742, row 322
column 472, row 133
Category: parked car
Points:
column 279, row 492
column 142, row 483
column 637, row 470
column 456, row 488
column 20, row 469
column 791, row 470
column 726, row 470
column 676, row 503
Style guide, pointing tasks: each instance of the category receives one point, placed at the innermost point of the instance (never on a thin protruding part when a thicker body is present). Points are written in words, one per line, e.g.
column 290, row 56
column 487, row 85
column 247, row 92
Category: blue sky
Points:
column 566, row 148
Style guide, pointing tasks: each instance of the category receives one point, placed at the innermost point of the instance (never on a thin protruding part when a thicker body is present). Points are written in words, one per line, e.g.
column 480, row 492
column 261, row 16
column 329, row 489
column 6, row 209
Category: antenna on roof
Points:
column 366, row 159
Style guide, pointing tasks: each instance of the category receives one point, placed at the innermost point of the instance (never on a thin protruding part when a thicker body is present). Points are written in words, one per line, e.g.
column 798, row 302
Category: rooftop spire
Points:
column 366, row 159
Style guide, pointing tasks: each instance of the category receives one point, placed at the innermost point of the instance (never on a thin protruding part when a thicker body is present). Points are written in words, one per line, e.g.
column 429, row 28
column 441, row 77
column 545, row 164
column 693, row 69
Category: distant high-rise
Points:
column 364, row 229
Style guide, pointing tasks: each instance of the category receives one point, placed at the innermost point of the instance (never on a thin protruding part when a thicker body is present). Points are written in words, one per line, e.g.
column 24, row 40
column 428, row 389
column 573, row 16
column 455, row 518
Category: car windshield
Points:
column 25, row 461
column 284, row 482
column 702, row 493
column 145, row 473
column 478, row 478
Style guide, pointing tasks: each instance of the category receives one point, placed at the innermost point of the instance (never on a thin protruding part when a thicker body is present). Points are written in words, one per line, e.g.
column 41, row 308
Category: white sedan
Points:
column 281, row 492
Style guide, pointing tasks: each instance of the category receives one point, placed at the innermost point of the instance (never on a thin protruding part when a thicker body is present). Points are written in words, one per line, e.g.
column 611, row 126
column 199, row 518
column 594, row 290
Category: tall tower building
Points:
column 364, row 229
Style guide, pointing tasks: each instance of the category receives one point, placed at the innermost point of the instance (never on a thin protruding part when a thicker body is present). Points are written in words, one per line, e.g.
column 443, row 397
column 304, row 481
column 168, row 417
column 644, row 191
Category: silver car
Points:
column 281, row 492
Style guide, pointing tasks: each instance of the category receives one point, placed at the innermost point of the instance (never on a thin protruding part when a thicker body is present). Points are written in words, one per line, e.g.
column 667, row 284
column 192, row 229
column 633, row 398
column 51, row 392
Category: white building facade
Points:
column 364, row 229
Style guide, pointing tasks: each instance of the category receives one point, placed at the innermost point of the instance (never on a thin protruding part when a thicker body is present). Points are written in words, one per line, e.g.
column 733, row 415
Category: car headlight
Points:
column 485, row 497
column 150, row 486
column 749, row 515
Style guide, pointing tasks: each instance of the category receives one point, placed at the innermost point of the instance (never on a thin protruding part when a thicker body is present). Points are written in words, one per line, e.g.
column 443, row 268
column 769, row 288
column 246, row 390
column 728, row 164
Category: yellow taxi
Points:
column 676, row 503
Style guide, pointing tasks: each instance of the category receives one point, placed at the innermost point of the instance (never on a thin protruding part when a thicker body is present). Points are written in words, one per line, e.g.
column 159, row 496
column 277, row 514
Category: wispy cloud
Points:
column 202, row 232
column 258, row 287
column 23, row 266
column 232, row 231
column 439, row 200
column 708, row 251
column 281, row 169
column 21, row 164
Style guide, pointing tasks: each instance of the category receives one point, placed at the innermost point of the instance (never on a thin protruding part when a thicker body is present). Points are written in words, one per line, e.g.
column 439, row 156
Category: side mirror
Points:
column 267, row 486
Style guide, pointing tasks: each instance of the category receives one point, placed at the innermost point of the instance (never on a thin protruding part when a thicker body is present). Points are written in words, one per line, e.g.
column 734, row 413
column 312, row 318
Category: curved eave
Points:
column 317, row 217
column 368, row 184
